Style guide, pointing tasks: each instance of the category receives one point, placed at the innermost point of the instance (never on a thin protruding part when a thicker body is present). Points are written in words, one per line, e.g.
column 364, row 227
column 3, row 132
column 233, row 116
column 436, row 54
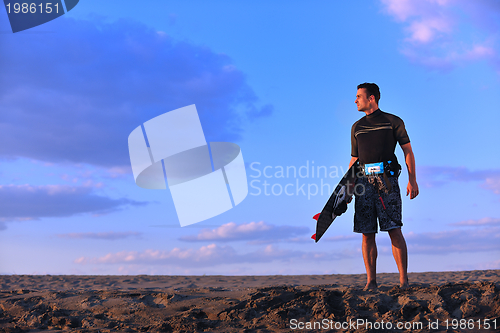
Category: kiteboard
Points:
column 337, row 203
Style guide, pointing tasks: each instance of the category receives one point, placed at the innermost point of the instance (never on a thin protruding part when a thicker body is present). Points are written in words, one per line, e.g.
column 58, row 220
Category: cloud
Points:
column 455, row 241
column 472, row 236
column 75, row 95
column 253, row 231
column 205, row 256
column 101, row 235
column 484, row 13
column 492, row 184
column 26, row 202
column 425, row 31
column 443, row 34
column 432, row 176
column 486, row 221
column 342, row 238
column 490, row 265
column 426, row 19
column 482, row 236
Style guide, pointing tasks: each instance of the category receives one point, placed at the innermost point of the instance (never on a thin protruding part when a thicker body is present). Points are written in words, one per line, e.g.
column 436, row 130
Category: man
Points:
column 373, row 141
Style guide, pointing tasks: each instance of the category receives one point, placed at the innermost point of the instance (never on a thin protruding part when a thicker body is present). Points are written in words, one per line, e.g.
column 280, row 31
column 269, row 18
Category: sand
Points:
column 436, row 302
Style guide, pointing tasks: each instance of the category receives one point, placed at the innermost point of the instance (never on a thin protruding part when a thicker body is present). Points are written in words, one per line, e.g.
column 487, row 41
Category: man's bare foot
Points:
column 371, row 286
column 404, row 285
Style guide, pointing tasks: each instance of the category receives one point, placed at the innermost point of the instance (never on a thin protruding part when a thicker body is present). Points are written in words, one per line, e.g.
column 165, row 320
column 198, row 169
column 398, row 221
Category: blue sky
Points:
column 280, row 81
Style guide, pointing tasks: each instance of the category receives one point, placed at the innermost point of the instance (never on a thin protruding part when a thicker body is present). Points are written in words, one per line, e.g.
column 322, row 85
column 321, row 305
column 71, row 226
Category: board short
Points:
column 369, row 207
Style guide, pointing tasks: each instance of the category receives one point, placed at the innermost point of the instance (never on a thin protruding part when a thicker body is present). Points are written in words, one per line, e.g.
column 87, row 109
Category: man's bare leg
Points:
column 400, row 253
column 369, row 248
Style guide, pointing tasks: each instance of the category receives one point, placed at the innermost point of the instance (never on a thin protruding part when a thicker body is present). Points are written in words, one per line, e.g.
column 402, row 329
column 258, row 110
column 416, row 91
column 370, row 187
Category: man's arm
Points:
column 353, row 160
column 412, row 188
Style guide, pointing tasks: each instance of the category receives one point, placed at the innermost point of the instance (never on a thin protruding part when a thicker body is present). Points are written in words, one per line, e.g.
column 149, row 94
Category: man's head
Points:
column 367, row 96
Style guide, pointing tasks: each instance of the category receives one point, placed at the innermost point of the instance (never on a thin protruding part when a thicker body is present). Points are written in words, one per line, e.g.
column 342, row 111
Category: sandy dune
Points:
column 437, row 301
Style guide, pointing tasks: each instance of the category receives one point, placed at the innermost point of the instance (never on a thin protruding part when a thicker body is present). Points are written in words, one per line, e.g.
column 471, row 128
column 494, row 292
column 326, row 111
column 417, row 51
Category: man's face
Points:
column 362, row 101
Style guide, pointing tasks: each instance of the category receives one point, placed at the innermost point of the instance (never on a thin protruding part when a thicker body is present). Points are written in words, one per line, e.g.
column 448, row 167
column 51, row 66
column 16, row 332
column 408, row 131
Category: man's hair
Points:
column 371, row 89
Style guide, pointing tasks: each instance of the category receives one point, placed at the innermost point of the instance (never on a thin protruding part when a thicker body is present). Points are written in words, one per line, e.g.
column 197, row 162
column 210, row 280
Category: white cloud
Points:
column 486, row 221
column 482, row 236
column 253, row 231
column 233, row 231
column 205, row 256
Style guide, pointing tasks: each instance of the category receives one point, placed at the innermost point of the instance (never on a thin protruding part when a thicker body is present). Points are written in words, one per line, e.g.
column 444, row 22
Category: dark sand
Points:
column 444, row 300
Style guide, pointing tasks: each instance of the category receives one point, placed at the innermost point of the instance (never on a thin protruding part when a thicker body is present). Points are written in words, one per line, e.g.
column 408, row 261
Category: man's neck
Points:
column 371, row 110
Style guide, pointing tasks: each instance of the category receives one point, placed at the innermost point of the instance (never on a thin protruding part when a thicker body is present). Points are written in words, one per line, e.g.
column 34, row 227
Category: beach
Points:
column 466, row 301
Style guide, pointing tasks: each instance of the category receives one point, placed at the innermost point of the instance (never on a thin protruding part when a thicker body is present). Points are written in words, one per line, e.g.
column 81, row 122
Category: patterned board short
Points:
column 368, row 206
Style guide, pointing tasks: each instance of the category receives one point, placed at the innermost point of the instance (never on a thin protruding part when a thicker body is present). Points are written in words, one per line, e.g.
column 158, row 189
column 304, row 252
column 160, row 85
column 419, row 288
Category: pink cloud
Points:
column 486, row 221
column 482, row 236
column 101, row 235
column 401, row 10
column 205, row 256
column 455, row 241
column 342, row 238
column 425, row 31
column 480, row 51
column 442, row 34
column 471, row 236
column 118, row 172
column 432, row 176
column 490, row 265
column 492, row 184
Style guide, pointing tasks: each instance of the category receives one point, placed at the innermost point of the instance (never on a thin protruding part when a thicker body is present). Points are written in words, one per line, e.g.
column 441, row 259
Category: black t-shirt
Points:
column 374, row 137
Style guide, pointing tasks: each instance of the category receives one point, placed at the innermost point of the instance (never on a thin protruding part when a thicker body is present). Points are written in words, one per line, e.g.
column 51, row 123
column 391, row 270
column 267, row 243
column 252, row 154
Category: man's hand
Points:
column 341, row 209
column 412, row 189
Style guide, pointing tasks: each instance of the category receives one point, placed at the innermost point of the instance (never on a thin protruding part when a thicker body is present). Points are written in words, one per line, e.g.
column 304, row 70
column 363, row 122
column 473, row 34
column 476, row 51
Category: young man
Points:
column 373, row 141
